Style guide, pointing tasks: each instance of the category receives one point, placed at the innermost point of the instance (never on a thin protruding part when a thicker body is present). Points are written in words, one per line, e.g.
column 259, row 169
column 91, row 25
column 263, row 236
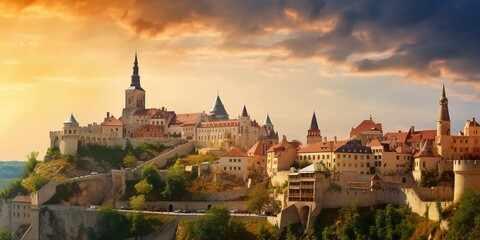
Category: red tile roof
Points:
column 112, row 121
column 228, row 123
column 318, row 147
column 257, row 148
column 400, row 136
column 418, row 136
column 235, row 152
column 188, row 119
column 366, row 125
column 146, row 112
column 374, row 143
column 22, row 198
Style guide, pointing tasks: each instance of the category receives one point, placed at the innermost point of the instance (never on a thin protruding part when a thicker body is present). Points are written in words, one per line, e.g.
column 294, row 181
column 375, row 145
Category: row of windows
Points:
column 314, row 157
column 25, row 215
column 233, row 168
column 235, row 160
column 17, row 206
column 217, row 130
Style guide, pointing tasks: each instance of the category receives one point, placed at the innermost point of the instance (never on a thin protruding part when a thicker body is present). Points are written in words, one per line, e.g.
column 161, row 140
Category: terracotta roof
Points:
column 426, row 150
column 374, row 143
column 22, row 198
column 318, row 147
column 112, row 121
column 188, row 119
column 366, row 125
column 228, row 123
column 418, row 136
column 235, row 152
column 259, row 146
column 400, row 136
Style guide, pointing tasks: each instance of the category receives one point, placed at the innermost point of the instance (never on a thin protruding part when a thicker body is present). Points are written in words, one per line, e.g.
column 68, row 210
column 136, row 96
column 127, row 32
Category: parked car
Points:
column 159, row 209
column 125, row 208
column 201, row 211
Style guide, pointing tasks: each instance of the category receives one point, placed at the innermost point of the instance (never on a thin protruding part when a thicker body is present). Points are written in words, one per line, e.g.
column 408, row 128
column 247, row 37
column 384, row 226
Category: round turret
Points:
column 467, row 175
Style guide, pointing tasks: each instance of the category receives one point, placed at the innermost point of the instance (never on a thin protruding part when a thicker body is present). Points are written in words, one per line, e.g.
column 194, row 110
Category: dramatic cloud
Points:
column 428, row 40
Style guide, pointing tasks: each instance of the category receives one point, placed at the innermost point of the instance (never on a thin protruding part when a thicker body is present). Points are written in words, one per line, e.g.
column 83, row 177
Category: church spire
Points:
column 314, row 124
column 135, row 77
column 218, row 111
column 244, row 111
column 443, row 114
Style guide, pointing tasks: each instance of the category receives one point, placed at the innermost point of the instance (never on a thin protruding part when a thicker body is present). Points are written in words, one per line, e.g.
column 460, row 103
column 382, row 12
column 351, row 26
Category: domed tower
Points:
column 443, row 138
column 134, row 95
column 69, row 141
column 218, row 111
column 314, row 135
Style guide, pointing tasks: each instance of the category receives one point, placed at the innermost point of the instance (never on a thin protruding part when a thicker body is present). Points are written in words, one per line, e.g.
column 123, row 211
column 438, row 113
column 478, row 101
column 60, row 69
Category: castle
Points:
column 140, row 124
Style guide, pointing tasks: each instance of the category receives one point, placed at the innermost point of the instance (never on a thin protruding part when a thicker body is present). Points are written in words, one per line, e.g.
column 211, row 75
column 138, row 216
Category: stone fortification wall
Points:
column 221, row 196
column 62, row 222
column 337, row 199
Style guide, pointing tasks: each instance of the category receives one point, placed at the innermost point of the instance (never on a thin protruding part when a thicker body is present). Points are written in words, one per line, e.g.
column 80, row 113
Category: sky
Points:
column 345, row 60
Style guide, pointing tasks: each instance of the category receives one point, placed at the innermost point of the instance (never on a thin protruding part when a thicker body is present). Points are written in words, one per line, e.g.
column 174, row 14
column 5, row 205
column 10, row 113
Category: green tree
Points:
column 175, row 182
column 150, row 173
column 138, row 202
column 257, row 199
column 34, row 182
column 4, row 234
column 216, row 224
column 263, row 233
column 143, row 187
column 466, row 220
column 112, row 224
column 15, row 187
column 30, row 164
column 438, row 206
column 130, row 161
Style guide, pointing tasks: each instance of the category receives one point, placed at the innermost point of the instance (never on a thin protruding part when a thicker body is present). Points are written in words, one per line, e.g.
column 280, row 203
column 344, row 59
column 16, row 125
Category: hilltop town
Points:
column 225, row 159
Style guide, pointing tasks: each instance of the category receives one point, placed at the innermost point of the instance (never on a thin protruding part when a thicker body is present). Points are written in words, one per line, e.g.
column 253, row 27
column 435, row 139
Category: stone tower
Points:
column 69, row 141
column 314, row 135
column 218, row 111
column 134, row 95
column 267, row 124
column 443, row 138
column 245, row 128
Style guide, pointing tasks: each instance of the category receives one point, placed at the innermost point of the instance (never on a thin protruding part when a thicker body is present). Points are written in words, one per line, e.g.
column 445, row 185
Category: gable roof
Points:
column 260, row 148
column 112, row 121
column 235, row 152
column 22, row 198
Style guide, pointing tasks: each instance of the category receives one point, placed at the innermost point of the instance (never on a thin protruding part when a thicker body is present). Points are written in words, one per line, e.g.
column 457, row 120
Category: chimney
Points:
column 325, row 139
column 399, row 131
column 108, row 115
column 473, row 119
column 335, row 139
column 412, row 129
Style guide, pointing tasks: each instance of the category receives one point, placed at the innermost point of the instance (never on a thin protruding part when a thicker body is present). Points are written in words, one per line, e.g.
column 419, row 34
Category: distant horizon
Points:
column 343, row 60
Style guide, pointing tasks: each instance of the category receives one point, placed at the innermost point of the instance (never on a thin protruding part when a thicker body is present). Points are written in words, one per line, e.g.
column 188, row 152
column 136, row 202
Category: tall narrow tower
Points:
column 314, row 135
column 443, row 139
column 134, row 95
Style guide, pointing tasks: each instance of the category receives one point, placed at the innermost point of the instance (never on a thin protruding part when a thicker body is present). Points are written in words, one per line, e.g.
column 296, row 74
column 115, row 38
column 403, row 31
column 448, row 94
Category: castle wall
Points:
column 161, row 160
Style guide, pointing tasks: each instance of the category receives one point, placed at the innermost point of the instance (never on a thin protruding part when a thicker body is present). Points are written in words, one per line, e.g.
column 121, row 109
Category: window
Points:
column 239, row 160
column 230, row 160
column 398, row 157
column 225, row 168
column 239, row 168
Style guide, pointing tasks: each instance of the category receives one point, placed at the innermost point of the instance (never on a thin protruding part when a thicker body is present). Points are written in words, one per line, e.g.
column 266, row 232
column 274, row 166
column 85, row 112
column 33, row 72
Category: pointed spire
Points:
column 135, row 77
column 218, row 111
column 314, row 124
column 443, row 114
column 244, row 111
column 267, row 121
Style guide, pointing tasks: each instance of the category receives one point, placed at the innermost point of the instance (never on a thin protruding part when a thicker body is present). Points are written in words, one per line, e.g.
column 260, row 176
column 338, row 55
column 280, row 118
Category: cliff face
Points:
column 56, row 222
column 93, row 192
